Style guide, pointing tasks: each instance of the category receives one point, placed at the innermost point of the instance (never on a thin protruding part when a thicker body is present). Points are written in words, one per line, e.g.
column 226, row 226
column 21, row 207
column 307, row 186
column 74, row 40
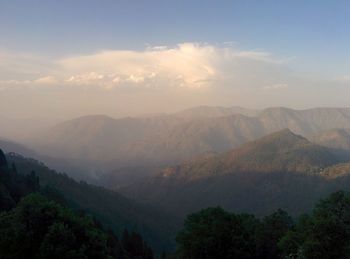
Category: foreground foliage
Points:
column 36, row 223
column 216, row 233
column 108, row 207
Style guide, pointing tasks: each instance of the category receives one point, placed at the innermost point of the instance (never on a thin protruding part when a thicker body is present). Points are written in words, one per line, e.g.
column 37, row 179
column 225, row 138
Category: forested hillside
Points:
column 281, row 170
column 112, row 209
column 36, row 222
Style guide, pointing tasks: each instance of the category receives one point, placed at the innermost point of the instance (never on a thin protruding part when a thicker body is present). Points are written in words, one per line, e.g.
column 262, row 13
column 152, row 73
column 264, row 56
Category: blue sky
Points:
column 293, row 47
column 312, row 28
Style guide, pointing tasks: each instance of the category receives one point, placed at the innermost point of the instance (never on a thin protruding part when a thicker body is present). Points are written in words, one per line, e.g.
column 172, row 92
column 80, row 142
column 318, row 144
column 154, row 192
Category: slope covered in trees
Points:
column 35, row 222
column 112, row 209
column 281, row 170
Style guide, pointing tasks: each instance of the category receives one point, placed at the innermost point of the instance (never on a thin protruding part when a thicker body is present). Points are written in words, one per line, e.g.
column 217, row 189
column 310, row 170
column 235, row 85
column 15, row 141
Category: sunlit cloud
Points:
column 187, row 65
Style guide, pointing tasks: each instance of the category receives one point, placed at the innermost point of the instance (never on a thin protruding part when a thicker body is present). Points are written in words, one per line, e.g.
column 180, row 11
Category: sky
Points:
column 63, row 59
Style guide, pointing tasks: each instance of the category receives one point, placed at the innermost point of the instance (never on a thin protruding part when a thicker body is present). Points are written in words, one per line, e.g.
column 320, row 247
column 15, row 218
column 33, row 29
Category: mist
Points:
column 41, row 91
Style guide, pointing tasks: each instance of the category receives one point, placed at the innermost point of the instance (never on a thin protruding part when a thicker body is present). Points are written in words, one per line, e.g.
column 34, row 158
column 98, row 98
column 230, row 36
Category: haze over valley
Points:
column 174, row 129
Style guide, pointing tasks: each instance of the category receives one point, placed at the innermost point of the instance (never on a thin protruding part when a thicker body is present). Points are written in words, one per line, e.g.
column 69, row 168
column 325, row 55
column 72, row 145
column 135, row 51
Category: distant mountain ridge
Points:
column 11, row 146
column 334, row 138
column 277, row 152
column 215, row 111
column 282, row 151
column 173, row 138
column 274, row 171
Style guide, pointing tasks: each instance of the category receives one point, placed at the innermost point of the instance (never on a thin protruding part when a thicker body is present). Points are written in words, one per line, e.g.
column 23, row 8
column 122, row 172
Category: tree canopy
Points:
column 216, row 233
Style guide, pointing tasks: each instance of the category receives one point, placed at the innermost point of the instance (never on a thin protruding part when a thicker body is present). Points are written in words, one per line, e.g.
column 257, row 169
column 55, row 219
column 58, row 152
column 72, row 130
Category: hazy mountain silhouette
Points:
column 170, row 139
column 211, row 112
column 335, row 138
column 279, row 170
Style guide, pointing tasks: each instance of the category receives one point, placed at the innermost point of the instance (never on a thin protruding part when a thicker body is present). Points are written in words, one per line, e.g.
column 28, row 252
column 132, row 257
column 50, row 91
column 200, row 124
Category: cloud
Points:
column 277, row 86
column 41, row 81
column 46, row 80
column 160, row 78
column 187, row 65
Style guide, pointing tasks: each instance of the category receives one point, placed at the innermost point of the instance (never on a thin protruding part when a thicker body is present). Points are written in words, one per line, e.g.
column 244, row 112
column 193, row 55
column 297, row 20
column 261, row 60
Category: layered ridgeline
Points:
column 334, row 138
column 166, row 139
column 75, row 169
column 111, row 208
column 281, row 170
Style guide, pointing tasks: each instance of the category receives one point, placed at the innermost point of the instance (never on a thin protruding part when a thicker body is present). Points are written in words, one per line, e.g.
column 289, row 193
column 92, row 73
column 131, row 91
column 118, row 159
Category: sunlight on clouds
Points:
column 187, row 65
column 189, row 62
column 161, row 78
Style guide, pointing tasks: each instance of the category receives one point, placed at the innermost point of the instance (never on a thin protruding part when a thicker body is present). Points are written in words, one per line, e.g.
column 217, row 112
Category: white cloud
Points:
column 188, row 61
column 124, row 82
column 189, row 65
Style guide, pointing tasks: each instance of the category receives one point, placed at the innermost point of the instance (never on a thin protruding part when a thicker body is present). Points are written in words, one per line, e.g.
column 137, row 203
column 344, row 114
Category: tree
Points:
column 273, row 228
column 3, row 161
column 34, row 225
column 324, row 234
column 135, row 246
column 38, row 227
column 215, row 233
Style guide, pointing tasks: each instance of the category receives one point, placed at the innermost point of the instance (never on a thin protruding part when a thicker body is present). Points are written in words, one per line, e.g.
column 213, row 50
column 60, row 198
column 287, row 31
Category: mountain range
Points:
column 158, row 168
column 281, row 170
column 106, row 147
column 178, row 137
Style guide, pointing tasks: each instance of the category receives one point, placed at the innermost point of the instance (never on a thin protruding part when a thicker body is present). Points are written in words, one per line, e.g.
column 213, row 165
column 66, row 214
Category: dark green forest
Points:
column 42, row 220
column 109, row 207
column 216, row 233
column 37, row 222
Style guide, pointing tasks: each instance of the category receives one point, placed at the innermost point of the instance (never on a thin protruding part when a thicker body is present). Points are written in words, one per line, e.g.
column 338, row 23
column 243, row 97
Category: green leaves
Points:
column 215, row 233
column 324, row 234
column 38, row 227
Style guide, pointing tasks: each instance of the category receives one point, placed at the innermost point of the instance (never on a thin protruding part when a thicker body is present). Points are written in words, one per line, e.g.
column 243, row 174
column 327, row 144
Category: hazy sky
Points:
column 61, row 59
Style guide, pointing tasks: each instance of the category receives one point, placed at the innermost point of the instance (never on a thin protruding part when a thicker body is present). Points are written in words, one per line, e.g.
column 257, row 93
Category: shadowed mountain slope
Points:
column 280, row 151
column 113, row 209
column 280, row 170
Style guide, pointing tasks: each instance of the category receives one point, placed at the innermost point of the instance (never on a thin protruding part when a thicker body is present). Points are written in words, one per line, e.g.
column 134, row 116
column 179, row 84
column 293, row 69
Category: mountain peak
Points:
column 215, row 111
column 286, row 132
column 277, row 141
column 277, row 110
column 282, row 151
